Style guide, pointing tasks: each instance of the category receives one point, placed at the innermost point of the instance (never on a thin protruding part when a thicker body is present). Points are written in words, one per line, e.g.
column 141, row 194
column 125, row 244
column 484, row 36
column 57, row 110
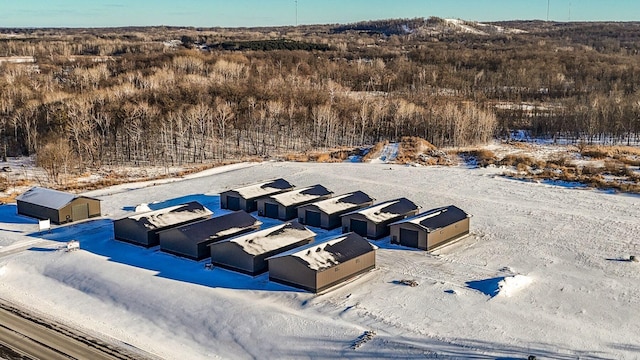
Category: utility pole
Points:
column 548, row 4
column 296, row 12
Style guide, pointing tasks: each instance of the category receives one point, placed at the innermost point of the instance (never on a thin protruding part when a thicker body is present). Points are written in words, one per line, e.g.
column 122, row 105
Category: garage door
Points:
column 409, row 238
column 312, row 218
column 80, row 212
column 271, row 210
column 359, row 227
column 233, row 203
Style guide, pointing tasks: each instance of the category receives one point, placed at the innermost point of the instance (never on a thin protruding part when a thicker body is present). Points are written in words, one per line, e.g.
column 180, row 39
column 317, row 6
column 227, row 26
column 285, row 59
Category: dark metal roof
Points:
column 218, row 227
column 384, row 211
column 331, row 252
column 301, row 196
column 270, row 239
column 49, row 198
column 437, row 218
column 357, row 197
column 169, row 216
column 342, row 203
column 262, row 189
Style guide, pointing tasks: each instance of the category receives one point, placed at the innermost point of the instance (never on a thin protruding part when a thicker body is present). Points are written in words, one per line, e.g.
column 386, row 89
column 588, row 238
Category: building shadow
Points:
column 96, row 237
column 9, row 214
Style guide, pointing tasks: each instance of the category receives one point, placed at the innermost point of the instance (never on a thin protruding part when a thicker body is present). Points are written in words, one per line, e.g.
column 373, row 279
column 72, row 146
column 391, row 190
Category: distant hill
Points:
column 428, row 27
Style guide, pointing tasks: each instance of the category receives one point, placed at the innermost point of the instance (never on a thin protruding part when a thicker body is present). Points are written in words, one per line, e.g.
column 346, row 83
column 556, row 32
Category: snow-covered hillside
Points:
column 543, row 273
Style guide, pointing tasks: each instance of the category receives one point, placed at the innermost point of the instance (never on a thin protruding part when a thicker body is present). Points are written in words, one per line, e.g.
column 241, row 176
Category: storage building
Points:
column 318, row 267
column 58, row 206
column 248, row 253
column 326, row 213
column 192, row 240
column 372, row 222
column 284, row 206
column 143, row 228
column 244, row 198
column 431, row 229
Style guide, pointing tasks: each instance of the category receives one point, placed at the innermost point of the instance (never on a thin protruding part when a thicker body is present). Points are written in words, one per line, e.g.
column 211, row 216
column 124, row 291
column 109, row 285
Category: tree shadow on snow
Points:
column 96, row 236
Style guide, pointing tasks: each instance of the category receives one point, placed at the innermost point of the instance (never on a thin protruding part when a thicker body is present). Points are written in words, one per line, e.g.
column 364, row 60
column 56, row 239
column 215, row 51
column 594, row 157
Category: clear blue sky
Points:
column 237, row 13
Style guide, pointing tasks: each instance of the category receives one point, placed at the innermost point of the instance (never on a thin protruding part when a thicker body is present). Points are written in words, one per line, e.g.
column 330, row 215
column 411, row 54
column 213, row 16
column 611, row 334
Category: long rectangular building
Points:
column 143, row 228
column 58, row 206
column 192, row 240
column 284, row 206
column 318, row 267
column 326, row 213
column 431, row 229
column 245, row 198
column 248, row 253
column 372, row 222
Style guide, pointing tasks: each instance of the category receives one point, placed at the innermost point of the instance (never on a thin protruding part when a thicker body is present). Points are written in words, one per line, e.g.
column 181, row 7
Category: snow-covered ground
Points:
column 544, row 272
column 388, row 154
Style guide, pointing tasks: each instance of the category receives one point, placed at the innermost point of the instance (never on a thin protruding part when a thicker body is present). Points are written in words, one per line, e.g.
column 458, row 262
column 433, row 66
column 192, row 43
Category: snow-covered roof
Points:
column 220, row 226
column 437, row 218
column 48, row 198
column 300, row 196
column 332, row 252
column 343, row 202
column 172, row 215
column 263, row 189
column 387, row 210
column 275, row 237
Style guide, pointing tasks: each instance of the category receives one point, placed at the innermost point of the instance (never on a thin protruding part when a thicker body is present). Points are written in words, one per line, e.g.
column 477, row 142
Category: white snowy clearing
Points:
column 544, row 272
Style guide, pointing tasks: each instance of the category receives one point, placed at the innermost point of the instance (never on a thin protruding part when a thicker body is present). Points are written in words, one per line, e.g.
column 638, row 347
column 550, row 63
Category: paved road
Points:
column 39, row 341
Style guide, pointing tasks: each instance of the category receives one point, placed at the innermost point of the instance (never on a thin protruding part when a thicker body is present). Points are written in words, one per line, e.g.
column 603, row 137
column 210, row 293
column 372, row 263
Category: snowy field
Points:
column 544, row 272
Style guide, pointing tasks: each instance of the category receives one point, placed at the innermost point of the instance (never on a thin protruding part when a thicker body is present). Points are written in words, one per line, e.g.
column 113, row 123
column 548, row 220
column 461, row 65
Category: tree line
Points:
column 133, row 97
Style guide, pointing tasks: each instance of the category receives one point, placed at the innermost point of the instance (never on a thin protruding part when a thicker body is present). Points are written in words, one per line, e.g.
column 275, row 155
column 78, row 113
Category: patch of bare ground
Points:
column 600, row 167
column 415, row 150
column 329, row 156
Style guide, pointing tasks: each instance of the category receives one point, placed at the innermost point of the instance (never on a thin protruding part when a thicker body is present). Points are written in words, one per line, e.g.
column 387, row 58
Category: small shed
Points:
column 244, row 198
column 58, row 206
column 192, row 240
column 318, row 267
column 248, row 253
column 143, row 228
column 326, row 213
column 284, row 206
column 372, row 222
column 432, row 228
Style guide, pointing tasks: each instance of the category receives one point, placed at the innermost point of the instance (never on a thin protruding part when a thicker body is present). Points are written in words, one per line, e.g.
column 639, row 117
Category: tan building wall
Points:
column 447, row 234
column 292, row 272
column 429, row 241
column 344, row 271
column 68, row 214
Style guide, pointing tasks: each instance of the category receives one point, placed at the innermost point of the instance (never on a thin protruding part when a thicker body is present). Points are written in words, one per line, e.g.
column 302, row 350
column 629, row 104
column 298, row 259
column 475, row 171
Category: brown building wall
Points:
column 395, row 234
column 345, row 270
column 289, row 271
column 447, row 234
column 66, row 213
column 230, row 255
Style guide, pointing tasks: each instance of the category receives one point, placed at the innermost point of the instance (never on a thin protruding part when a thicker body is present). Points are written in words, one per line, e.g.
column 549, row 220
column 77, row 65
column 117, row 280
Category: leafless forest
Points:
column 170, row 96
